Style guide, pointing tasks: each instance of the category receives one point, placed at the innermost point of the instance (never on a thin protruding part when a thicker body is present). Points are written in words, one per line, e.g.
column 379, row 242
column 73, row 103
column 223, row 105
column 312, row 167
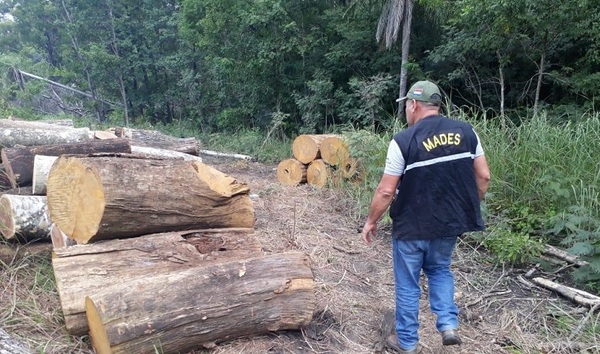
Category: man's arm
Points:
column 482, row 175
column 384, row 194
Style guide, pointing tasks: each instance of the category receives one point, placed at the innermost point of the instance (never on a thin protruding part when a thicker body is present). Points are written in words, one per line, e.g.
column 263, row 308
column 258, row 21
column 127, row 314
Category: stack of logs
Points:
column 179, row 265
column 316, row 159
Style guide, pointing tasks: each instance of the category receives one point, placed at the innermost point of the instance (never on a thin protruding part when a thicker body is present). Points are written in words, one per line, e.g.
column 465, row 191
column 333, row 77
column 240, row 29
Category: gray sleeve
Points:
column 479, row 149
column 394, row 161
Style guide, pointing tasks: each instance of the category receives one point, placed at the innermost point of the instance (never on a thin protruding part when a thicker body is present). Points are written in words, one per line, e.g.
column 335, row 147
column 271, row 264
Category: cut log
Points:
column 306, row 148
column 41, row 168
column 565, row 256
column 291, row 172
column 334, row 150
column 98, row 198
column 59, row 238
column 34, row 133
column 19, row 160
column 317, row 173
column 10, row 253
column 96, row 269
column 194, row 308
column 223, row 154
column 9, row 345
column 162, row 153
column 60, row 122
column 156, row 139
column 24, row 218
column 579, row 296
column 350, row 168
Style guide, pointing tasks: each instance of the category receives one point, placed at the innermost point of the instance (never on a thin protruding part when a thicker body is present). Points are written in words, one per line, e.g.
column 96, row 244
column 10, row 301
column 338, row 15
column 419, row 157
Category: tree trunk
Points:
column 9, row 345
column 60, row 122
column 95, row 269
column 317, row 173
column 502, row 86
column 291, row 172
column 163, row 153
column 29, row 137
column 41, row 168
column 579, row 296
column 334, row 150
column 406, row 24
column 194, row 308
column 224, row 154
column 97, row 198
column 155, row 139
column 26, row 124
column 19, row 161
column 538, row 87
column 306, row 148
column 24, row 218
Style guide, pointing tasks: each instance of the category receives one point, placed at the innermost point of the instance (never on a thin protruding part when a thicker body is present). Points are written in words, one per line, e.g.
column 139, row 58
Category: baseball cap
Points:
column 424, row 91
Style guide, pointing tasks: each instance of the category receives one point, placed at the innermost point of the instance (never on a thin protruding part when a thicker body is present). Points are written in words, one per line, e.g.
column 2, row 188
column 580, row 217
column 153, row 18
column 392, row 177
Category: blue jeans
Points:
column 434, row 257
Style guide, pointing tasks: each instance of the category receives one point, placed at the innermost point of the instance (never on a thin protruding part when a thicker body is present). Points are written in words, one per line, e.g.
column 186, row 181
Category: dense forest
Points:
column 526, row 72
column 305, row 65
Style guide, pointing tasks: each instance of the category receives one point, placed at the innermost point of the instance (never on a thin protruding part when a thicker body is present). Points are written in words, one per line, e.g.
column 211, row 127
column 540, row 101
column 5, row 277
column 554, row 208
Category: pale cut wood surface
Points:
column 334, row 150
column 317, row 173
column 291, row 172
column 306, row 147
column 199, row 307
column 94, row 269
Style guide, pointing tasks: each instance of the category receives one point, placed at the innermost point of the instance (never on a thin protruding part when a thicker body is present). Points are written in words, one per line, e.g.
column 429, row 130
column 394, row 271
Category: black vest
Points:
column 437, row 195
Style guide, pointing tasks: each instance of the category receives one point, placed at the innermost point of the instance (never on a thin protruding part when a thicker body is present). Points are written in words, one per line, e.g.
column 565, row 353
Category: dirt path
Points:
column 354, row 281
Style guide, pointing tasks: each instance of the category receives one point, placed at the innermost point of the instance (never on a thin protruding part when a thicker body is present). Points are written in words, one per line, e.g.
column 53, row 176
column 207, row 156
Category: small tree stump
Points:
column 317, row 173
column 291, row 172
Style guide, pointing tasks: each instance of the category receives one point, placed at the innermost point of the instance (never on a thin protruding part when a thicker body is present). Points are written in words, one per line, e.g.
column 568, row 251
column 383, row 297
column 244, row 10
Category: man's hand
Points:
column 369, row 230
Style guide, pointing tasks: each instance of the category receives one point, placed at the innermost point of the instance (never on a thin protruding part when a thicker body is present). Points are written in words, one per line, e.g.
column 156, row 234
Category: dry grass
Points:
column 354, row 288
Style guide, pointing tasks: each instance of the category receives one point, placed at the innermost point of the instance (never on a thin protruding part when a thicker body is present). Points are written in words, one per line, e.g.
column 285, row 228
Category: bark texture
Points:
column 97, row 198
column 163, row 153
column 41, row 168
column 24, row 218
column 9, row 345
column 19, row 161
column 99, row 269
column 156, row 139
column 198, row 307
column 36, row 136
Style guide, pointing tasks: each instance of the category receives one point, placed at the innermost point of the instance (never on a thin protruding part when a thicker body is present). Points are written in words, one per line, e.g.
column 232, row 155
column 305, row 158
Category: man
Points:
column 434, row 177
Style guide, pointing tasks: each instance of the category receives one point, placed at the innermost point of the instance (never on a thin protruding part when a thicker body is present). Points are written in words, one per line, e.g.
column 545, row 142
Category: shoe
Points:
column 450, row 337
column 392, row 343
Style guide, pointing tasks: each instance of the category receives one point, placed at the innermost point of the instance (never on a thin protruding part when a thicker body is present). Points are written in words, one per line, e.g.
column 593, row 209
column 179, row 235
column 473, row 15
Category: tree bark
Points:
column 317, row 173
column 96, row 269
column 9, row 345
column 406, row 28
column 334, row 150
column 291, row 172
column 29, row 137
column 565, row 256
column 579, row 296
column 223, row 154
column 19, row 161
column 98, row 198
column 306, row 148
column 156, row 139
column 27, row 124
column 24, row 218
column 194, row 308
column 163, row 153
column 538, row 87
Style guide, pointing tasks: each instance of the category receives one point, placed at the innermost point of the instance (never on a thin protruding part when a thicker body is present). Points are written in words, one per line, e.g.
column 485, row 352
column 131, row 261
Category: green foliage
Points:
column 249, row 142
column 513, row 247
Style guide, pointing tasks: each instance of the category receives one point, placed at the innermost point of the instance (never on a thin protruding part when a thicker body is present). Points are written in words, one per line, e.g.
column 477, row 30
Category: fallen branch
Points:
column 222, row 154
column 565, row 256
column 579, row 296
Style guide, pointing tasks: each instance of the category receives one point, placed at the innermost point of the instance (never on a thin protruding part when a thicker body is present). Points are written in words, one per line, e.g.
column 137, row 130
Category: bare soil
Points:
column 500, row 312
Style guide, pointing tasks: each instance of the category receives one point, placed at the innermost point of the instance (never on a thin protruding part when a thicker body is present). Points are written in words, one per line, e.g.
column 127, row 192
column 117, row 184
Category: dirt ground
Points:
column 500, row 311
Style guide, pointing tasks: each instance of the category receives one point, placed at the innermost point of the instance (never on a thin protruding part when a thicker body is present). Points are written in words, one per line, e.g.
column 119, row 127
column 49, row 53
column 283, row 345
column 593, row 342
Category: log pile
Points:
column 316, row 160
column 152, row 248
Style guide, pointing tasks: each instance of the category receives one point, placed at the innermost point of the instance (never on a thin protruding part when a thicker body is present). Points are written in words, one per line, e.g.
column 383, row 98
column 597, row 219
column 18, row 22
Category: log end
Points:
column 305, row 148
column 291, row 172
column 75, row 198
column 7, row 223
column 317, row 173
column 97, row 332
column 334, row 150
